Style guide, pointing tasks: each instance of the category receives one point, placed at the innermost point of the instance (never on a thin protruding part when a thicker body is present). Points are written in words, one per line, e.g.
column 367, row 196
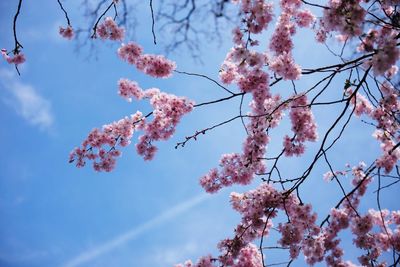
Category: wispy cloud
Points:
column 123, row 238
column 26, row 101
column 172, row 255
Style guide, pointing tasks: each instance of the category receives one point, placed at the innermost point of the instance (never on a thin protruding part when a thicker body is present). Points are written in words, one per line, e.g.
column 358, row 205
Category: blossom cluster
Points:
column 374, row 240
column 387, row 53
column 349, row 17
column 128, row 89
column 303, row 126
column 168, row 110
column 101, row 146
column 108, row 29
column 258, row 14
column 281, row 43
column 154, row 65
column 248, row 256
column 245, row 69
column 16, row 59
column 67, row 32
column 387, row 126
column 344, row 16
column 384, row 42
column 301, row 234
column 361, row 103
column 257, row 207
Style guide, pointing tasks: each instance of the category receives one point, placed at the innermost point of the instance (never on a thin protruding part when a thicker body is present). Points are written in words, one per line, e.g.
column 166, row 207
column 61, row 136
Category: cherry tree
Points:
column 367, row 33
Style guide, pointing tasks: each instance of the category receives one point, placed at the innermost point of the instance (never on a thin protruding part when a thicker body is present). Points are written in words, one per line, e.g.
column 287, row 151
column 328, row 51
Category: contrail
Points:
column 134, row 232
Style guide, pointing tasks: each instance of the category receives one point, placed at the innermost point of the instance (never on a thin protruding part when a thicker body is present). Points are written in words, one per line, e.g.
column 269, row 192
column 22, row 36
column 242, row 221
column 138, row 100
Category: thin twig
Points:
column 65, row 12
column 152, row 22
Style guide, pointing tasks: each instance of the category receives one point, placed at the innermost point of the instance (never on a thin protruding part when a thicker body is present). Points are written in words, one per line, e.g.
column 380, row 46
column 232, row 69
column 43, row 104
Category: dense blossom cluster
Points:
column 344, row 16
column 246, row 70
column 301, row 233
column 383, row 43
column 281, row 43
column 349, row 17
column 304, row 18
column 258, row 14
column 128, row 89
column 373, row 240
column 67, row 32
column 154, row 65
column 101, row 146
column 388, row 126
column 108, row 29
column 361, row 103
column 168, row 110
column 284, row 65
column 130, row 52
column 16, row 59
column 303, row 126
column 387, row 51
column 248, row 256
column 257, row 208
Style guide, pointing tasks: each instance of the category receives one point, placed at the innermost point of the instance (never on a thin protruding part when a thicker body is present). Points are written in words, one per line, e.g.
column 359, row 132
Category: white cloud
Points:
column 123, row 238
column 26, row 101
column 171, row 256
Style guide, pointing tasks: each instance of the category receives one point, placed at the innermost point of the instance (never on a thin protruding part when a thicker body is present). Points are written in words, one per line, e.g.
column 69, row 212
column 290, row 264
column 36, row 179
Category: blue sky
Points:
column 143, row 213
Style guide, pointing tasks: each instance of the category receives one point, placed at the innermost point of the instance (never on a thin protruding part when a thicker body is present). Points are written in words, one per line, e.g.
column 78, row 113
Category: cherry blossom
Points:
column 67, row 32
column 16, row 59
column 154, row 65
column 102, row 145
column 108, row 29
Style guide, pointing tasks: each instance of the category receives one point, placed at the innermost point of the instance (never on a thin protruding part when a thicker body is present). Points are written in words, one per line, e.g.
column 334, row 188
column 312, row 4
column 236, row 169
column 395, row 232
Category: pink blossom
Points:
column 303, row 126
column 94, row 147
column 258, row 15
column 249, row 256
column 362, row 225
column 228, row 72
column 390, row 73
column 304, row 18
column 67, row 32
column 168, row 110
column 101, row 146
column 387, row 51
column 128, row 89
column 16, row 59
column 344, row 16
column 237, row 36
column 281, row 40
column 236, row 168
column 284, row 66
column 130, row 52
column 362, row 104
column 155, row 65
column 108, row 29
